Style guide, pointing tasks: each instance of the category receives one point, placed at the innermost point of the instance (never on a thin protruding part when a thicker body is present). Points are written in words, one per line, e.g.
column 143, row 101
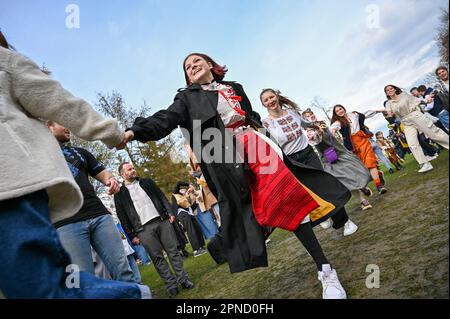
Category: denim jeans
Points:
column 382, row 158
column 207, row 223
column 134, row 268
column 102, row 272
column 142, row 254
column 443, row 118
column 100, row 232
column 34, row 263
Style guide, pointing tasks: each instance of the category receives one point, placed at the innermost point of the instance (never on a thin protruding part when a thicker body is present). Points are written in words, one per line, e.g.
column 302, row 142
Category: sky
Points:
column 344, row 52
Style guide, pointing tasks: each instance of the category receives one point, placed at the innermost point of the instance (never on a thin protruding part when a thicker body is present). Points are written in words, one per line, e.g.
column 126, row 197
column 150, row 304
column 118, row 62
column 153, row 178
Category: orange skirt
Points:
column 363, row 149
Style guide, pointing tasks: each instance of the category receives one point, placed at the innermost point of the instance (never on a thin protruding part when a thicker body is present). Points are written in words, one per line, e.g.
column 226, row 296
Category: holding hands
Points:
column 113, row 185
column 127, row 137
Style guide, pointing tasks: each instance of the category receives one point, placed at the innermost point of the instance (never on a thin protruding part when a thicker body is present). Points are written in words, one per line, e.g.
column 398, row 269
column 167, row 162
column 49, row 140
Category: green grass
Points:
column 405, row 234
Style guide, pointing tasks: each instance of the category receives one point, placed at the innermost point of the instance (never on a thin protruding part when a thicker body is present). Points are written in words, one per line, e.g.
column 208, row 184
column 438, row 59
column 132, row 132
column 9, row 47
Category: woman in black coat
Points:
column 211, row 113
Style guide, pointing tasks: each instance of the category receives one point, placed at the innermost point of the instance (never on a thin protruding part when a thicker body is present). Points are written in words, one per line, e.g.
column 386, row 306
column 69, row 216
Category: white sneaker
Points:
column 350, row 228
column 332, row 288
column 431, row 158
column 327, row 224
column 426, row 167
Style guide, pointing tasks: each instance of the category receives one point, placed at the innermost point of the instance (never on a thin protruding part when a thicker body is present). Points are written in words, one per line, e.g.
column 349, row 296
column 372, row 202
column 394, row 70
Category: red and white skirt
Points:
column 278, row 198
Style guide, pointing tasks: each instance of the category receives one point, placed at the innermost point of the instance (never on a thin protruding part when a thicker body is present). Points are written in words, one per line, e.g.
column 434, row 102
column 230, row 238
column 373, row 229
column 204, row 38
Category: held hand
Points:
column 171, row 219
column 127, row 137
column 113, row 186
column 136, row 241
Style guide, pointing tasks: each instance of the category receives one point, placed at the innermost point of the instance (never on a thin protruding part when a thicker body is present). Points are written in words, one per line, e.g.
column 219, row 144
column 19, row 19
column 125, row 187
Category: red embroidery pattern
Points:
column 290, row 127
column 232, row 99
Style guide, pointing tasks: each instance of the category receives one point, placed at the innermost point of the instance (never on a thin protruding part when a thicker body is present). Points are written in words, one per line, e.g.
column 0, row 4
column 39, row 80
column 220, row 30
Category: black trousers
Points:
column 309, row 240
column 194, row 232
column 308, row 157
column 428, row 149
column 441, row 126
column 180, row 236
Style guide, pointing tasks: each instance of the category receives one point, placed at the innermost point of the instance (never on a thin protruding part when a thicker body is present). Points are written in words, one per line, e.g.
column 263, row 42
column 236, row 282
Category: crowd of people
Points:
column 288, row 169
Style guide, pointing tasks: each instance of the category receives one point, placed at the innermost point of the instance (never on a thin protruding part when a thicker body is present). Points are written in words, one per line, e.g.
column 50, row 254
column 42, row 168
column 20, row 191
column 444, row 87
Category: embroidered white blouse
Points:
column 354, row 123
column 288, row 132
column 226, row 104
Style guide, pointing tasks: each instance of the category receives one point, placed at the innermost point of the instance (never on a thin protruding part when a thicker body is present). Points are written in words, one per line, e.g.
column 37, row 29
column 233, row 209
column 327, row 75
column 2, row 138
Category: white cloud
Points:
column 337, row 56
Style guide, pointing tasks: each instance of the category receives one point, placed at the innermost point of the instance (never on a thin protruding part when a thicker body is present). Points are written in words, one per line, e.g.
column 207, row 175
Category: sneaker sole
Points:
column 342, row 297
column 200, row 254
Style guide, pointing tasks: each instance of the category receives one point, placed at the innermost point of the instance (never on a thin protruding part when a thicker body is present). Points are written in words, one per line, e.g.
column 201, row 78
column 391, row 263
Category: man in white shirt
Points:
column 146, row 217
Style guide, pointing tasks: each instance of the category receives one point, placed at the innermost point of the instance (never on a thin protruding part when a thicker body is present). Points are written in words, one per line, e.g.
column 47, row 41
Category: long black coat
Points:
column 243, row 237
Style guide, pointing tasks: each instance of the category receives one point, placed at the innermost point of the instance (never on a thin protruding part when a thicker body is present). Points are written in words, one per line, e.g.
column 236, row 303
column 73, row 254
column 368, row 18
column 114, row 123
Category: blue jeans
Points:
column 443, row 118
column 207, row 223
column 100, row 232
column 134, row 268
column 382, row 158
column 142, row 254
column 35, row 265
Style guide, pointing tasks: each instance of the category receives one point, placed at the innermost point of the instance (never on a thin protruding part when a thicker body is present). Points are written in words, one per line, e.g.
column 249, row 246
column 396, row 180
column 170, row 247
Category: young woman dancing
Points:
column 252, row 184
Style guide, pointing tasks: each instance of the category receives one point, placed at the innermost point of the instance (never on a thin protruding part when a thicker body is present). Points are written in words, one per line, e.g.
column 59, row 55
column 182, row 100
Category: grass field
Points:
column 406, row 235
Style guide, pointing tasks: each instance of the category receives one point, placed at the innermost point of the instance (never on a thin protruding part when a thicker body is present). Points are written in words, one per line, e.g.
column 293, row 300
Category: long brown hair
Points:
column 283, row 100
column 398, row 90
column 342, row 119
column 217, row 70
column 4, row 43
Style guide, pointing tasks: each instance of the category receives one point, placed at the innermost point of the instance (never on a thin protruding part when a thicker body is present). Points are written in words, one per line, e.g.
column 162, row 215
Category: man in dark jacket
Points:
column 146, row 217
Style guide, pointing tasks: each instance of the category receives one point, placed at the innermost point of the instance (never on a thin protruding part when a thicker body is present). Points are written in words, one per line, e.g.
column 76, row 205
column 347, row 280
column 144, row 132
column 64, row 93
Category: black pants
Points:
column 428, row 149
column 310, row 158
column 441, row 126
column 194, row 232
column 180, row 236
column 309, row 240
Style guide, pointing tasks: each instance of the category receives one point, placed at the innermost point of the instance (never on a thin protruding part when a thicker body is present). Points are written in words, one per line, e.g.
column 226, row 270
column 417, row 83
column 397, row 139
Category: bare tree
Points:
column 429, row 80
column 321, row 104
column 113, row 105
column 153, row 159
column 442, row 36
